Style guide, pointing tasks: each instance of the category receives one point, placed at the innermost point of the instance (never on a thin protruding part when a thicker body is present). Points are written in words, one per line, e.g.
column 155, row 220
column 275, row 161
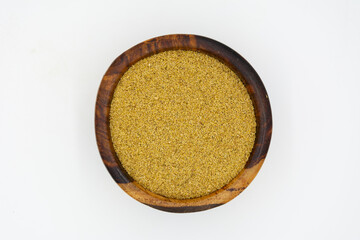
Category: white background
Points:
column 53, row 184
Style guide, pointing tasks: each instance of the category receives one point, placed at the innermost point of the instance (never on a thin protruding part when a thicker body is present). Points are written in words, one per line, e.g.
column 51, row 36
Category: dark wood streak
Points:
column 235, row 189
column 232, row 59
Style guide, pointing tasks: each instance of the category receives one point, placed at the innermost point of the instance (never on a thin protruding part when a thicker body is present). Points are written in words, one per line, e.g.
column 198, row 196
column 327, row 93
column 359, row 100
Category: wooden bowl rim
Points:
column 226, row 55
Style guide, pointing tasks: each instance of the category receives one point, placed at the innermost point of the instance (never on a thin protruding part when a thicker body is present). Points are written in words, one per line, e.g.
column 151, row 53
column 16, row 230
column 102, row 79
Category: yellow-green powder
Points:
column 182, row 124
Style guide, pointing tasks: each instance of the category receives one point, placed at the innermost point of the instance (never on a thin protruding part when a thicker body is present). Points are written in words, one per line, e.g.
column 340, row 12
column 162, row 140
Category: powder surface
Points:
column 182, row 123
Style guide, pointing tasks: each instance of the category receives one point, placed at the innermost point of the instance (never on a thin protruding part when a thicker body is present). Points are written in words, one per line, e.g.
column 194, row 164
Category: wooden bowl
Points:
column 226, row 55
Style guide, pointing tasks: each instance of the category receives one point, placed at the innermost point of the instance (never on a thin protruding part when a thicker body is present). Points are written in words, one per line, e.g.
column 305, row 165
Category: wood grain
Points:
column 252, row 83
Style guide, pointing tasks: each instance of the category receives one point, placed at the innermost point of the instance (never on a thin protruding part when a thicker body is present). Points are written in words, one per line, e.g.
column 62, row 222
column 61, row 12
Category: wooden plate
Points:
column 252, row 83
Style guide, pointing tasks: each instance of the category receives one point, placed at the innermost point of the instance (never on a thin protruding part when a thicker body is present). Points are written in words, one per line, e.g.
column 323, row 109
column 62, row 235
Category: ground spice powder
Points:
column 182, row 123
